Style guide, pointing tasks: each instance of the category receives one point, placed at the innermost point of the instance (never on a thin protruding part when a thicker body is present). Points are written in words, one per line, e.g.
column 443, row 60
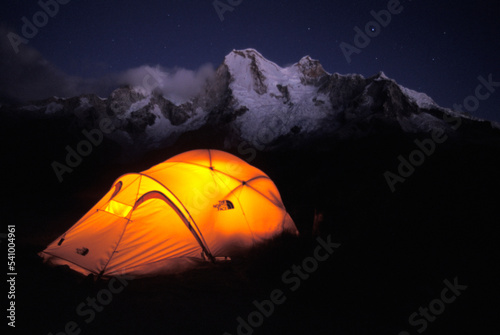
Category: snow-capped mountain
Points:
column 267, row 102
column 254, row 100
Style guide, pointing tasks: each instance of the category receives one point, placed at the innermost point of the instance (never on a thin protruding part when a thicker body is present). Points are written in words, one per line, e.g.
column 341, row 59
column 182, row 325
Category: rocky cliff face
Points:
column 252, row 99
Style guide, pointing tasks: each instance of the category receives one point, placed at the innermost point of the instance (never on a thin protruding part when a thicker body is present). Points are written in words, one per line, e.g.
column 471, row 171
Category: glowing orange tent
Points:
column 202, row 204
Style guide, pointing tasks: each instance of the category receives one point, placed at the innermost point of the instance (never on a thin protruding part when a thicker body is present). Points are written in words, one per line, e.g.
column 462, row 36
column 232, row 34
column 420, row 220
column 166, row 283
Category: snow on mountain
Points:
column 254, row 100
column 421, row 99
column 304, row 98
column 274, row 98
column 53, row 107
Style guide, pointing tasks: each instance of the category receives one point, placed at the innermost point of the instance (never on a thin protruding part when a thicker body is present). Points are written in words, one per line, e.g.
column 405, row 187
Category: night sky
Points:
column 436, row 47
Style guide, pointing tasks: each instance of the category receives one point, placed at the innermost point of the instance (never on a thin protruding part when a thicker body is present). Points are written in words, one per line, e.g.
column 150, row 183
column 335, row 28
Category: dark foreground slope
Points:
column 396, row 248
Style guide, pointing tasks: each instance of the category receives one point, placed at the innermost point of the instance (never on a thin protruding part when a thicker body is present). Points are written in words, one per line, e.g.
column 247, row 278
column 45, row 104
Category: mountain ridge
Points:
column 252, row 99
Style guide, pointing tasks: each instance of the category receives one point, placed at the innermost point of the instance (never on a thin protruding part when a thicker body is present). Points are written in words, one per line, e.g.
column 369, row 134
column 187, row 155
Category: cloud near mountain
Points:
column 27, row 76
column 177, row 85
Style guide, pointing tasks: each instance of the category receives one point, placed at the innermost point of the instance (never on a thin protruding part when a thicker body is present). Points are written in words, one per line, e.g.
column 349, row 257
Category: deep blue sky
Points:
column 437, row 47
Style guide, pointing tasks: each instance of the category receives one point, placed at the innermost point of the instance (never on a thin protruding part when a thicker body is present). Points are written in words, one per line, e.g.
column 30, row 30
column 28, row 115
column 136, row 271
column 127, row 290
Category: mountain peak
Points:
column 382, row 75
column 311, row 68
column 249, row 52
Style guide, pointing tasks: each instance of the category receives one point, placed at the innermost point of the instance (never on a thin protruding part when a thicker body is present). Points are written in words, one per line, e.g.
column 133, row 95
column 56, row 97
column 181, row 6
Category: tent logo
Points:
column 224, row 205
column 82, row 251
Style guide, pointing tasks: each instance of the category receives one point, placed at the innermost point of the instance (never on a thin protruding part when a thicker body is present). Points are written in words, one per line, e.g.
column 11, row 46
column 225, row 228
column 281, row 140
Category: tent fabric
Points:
column 198, row 205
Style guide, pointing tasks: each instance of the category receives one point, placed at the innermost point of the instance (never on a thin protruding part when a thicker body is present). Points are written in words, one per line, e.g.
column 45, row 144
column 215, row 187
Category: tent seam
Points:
column 187, row 211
